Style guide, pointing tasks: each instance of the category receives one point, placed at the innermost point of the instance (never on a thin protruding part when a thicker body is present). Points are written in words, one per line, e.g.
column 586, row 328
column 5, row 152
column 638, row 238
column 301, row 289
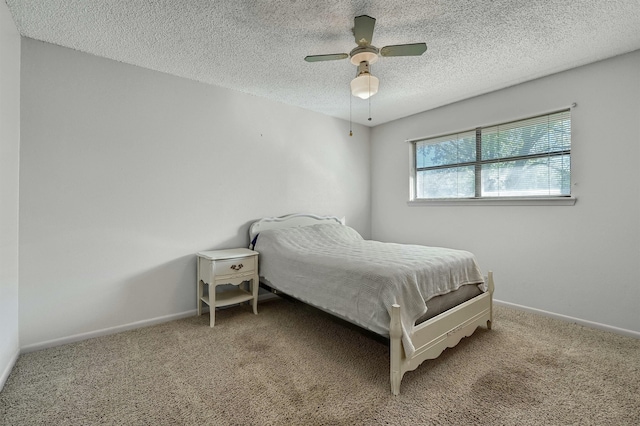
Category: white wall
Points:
column 580, row 261
column 126, row 173
column 9, row 173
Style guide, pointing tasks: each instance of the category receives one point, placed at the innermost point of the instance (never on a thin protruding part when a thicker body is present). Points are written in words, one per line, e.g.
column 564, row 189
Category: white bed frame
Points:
column 429, row 338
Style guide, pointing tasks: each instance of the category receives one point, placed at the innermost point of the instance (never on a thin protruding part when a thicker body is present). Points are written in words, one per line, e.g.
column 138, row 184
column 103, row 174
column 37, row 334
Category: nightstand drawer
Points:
column 239, row 266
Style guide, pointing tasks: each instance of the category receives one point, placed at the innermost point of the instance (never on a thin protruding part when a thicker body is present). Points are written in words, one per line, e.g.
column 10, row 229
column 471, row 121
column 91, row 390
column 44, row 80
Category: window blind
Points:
column 523, row 158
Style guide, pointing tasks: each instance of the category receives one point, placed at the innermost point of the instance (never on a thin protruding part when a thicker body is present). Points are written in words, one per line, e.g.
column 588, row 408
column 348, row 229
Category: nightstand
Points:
column 233, row 266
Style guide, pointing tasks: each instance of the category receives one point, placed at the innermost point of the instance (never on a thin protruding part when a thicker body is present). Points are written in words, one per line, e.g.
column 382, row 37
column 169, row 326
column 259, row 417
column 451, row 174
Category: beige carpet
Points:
column 292, row 364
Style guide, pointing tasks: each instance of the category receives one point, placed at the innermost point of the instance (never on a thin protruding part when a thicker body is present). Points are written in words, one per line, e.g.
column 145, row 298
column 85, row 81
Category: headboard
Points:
column 290, row 221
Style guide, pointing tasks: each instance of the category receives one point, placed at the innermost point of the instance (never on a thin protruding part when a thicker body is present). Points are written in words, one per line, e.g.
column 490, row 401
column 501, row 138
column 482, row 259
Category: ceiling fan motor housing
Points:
column 364, row 53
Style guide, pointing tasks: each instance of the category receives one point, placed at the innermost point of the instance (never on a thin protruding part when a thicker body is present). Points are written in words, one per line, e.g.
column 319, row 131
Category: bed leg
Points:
column 395, row 335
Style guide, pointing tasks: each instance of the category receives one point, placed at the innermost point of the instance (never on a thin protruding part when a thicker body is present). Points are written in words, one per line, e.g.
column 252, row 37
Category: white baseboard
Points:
column 590, row 324
column 105, row 331
column 8, row 368
column 120, row 328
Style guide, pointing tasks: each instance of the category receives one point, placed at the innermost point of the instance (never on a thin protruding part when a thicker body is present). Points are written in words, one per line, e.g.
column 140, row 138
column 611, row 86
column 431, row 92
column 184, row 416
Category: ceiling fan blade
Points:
column 363, row 29
column 415, row 49
column 331, row 57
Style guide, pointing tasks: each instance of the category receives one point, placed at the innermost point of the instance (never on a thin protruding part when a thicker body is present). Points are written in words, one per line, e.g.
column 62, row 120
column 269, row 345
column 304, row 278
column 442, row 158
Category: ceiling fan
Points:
column 366, row 85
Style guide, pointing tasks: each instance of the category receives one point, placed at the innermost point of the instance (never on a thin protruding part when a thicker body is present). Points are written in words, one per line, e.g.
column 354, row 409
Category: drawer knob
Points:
column 237, row 267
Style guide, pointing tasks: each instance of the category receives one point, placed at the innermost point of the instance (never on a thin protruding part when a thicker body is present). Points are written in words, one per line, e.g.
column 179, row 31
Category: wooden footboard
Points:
column 435, row 335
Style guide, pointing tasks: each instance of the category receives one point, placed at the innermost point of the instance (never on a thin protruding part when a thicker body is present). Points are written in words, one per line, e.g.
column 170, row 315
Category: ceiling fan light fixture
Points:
column 364, row 85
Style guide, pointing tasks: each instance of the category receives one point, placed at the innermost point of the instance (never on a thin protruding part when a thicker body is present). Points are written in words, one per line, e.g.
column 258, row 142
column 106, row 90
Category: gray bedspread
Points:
column 333, row 268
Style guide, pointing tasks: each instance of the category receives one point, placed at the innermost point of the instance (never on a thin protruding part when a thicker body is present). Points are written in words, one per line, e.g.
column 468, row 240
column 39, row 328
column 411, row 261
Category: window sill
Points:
column 505, row 201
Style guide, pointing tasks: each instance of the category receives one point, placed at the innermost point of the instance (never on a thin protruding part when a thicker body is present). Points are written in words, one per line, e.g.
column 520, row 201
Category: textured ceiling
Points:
column 257, row 47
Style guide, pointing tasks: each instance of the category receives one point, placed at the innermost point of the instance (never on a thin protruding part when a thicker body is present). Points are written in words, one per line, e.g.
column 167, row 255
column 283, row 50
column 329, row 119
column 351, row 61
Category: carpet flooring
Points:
column 294, row 365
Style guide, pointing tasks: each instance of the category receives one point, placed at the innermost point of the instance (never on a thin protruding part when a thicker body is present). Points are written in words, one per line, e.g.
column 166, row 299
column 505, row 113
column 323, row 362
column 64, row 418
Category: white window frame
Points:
column 565, row 200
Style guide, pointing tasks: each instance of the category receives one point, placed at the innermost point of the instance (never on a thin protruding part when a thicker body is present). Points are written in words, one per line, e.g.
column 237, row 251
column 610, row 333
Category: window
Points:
column 520, row 159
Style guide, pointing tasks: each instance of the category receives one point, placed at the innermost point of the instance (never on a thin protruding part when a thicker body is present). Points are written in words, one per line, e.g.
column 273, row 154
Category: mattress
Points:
column 440, row 304
column 332, row 267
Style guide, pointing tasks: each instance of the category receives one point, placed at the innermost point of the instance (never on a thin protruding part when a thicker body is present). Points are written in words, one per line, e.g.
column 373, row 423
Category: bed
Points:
column 423, row 299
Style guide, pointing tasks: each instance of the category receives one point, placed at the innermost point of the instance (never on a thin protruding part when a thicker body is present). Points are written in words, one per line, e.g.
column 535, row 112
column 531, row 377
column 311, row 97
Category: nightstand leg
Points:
column 255, row 284
column 198, row 287
column 212, row 305
column 199, row 296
